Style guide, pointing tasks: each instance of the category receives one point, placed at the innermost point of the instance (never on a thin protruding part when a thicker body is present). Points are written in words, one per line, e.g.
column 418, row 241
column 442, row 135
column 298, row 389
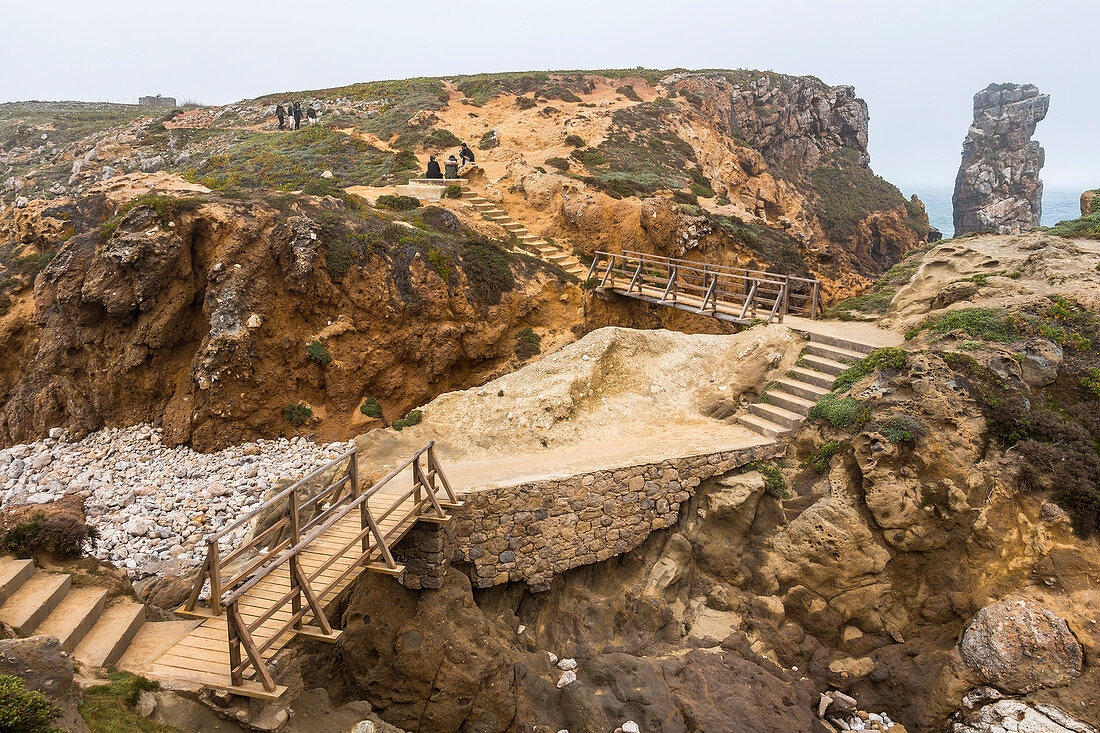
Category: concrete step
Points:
column 514, row 226
column 108, row 638
column 822, row 364
column 529, row 237
column 805, row 390
column 811, row 376
column 485, row 206
column 496, row 214
column 34, row 600
column 763, row 427
column 75, row 614
column 152, row 640
column 788, row 401
column 466, row 194
column 776, row 414
column 834, row 352
column 819, row 338
column 13, row 573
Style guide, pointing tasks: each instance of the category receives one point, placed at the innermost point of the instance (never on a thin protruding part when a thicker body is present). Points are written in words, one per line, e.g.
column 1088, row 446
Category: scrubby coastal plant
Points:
column 371, row 408
column 23, row 710
column 884, row 358
column 574, row 141
column 819, row 459
column 297, row 415
column 774, row 483
column 454, row 191
column 413, row 418
column 528, row 343
column 839, row 411
column 318, row 353
column 398, row 203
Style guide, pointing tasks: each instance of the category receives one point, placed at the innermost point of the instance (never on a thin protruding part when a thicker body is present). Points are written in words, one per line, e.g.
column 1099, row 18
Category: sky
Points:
column 916, row 63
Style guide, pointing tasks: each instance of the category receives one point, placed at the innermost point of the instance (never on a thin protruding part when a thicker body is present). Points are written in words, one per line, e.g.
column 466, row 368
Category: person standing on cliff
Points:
column 281, row 114
column 297, row 114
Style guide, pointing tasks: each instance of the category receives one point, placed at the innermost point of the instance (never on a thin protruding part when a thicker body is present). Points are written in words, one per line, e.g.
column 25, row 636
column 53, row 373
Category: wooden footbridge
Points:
column 726, row 293
column 308, row 545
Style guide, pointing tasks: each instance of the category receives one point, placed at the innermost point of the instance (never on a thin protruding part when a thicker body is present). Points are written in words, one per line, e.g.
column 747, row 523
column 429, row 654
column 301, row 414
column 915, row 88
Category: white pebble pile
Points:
column 153, row 507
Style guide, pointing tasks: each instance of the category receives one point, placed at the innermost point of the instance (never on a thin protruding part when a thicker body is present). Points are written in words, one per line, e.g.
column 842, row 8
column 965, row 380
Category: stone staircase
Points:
column 545, row 250
column 790, row 398
column 95, row 629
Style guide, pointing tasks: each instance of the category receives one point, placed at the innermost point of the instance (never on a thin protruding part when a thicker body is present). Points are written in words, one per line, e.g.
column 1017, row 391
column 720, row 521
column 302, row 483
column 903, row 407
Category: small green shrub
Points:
column 488, row 274
column 109, row 708
column 413, row 418
column 528, row 343
column 574, row 141
column 819, row 459
column 589, row 157
column 525, row 102
column 454, row 191
column 774, row 483
column 338, row 259
column 319, row 353
column 628, row 92
column 23, row 710
column 442, row 262
column 371, row 408
column 440, row 139
column 298, row 414
column 702, row 191
column 27, row 530
column 900, row 428
column 839, row 411
column 398, row 203
column 986, row 324
column 1091, row 381
column 885, row 358
column 561, row 164
column 489, row 140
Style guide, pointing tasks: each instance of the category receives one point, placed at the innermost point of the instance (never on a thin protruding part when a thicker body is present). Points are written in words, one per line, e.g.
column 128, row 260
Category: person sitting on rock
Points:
column 433, row 169
column 466, row 154
column 452, row 167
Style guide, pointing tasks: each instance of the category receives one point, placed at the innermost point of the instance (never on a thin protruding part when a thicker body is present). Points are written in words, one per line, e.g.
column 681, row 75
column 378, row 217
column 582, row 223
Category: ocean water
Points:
column 1059, row 204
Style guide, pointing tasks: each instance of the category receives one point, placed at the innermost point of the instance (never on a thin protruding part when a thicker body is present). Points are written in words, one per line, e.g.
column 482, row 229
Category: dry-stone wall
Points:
column 534, row 530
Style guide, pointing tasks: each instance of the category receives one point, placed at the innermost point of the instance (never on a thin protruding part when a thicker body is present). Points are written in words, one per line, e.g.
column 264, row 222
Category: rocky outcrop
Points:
column 998, row 187
column 791, row 121
column 198, row 321
column 1018, row 646
column 1090, row 202
column 42, row 665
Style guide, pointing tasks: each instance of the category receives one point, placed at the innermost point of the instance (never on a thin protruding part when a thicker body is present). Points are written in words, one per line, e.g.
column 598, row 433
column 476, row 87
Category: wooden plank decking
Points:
column 203, row 655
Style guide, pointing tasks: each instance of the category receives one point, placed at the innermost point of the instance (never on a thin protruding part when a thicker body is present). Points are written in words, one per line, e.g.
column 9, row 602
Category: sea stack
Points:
column 998, row 187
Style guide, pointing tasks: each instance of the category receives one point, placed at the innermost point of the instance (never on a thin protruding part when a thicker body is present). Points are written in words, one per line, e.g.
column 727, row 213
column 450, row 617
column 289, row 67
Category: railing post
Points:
column 215, row 578
column 236, row 673
column 296, row 600
column 786, row 297
column 416, row 484
column 817, row 299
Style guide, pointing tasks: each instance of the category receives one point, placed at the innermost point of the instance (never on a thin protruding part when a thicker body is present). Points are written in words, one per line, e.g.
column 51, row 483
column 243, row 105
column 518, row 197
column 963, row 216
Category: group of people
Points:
column 293, row 114
column 465, row 157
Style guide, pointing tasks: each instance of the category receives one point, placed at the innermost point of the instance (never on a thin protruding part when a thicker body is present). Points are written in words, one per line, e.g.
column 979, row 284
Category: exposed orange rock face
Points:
column 202, row 326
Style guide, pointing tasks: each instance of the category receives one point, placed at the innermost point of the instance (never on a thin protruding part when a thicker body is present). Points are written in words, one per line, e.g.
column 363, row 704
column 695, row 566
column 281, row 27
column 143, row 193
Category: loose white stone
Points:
column 568, row 677
column 567, row 663
column 631, row 727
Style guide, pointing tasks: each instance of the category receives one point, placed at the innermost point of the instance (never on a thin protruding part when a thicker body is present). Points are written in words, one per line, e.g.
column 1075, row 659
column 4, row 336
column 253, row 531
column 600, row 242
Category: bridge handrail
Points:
column 713, row 267
column 428, row 503
column 757, row 287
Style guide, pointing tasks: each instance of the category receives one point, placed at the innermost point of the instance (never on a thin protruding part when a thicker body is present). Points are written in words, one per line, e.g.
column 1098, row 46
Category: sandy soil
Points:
column 617, row 397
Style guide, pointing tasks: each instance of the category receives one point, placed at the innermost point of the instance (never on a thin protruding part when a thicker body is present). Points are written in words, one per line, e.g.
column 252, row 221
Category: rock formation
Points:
column 998, row 188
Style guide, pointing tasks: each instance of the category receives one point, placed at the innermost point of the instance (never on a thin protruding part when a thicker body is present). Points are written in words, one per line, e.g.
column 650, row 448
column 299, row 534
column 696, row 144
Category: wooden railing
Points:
column 301, row 520
column 731, row 292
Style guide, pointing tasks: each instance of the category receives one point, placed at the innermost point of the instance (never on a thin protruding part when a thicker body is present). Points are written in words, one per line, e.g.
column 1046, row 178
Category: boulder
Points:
column 1019, row 646
column 1039, row 367
column 42, row 665
column 152, row 165
column 1015, row 715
